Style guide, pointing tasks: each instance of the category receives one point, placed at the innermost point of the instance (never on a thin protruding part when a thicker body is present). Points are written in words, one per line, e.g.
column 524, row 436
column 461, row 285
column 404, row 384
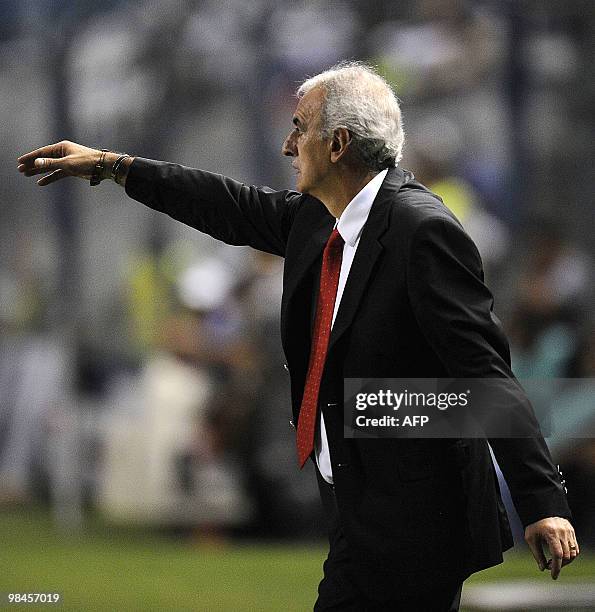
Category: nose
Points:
column 289, row 147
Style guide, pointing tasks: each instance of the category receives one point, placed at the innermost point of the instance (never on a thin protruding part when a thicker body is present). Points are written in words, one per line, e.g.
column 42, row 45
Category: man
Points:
column 380, row 280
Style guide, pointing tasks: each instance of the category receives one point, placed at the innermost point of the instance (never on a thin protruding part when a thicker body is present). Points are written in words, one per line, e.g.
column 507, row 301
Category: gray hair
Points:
column 359, row 99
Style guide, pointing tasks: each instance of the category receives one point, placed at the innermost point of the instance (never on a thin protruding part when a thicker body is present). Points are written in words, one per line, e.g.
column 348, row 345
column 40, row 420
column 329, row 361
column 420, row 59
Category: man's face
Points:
column 305, row 144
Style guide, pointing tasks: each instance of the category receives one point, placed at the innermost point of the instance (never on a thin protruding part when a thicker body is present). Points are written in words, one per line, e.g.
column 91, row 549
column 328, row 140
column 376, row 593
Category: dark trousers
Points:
column 338, row 592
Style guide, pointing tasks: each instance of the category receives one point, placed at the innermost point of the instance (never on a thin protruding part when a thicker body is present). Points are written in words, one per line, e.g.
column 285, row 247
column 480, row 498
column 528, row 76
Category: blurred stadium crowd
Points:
column 141, row 370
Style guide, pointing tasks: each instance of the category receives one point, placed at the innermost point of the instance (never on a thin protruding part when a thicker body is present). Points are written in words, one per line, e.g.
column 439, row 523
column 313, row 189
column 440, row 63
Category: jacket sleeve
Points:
column 453, row 308
column 216, row 205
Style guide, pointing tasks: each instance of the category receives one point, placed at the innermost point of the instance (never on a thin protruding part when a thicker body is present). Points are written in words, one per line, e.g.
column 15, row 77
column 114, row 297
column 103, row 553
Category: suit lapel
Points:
column 297, row 268
column 368, row 251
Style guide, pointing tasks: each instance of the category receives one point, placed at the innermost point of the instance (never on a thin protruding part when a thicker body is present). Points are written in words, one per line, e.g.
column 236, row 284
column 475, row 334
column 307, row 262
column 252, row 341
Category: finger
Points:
column 565, row 550
column 557, row 555
column 54, row 176
column 536, row 550
column 44, row 162
column 41, row 169
column 41, row 164
column 53, row 150
column 573, row 546
column 573, row 554
column 25, row 166
column 573, row 542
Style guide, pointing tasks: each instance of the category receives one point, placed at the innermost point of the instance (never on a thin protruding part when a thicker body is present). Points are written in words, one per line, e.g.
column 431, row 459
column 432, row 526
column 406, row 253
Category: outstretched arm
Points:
column 217, row 205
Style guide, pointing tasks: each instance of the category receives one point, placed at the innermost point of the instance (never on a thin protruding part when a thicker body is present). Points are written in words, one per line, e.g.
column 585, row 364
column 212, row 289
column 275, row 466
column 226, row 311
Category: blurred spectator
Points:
column 179, row 467
column 553, row 293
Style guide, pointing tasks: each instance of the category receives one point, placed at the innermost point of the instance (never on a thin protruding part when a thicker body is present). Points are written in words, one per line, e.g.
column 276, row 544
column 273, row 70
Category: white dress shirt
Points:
column 350, row 225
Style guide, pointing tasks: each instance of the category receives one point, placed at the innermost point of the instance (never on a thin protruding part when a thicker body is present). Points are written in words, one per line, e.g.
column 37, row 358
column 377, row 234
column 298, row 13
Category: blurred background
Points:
column 146, row 459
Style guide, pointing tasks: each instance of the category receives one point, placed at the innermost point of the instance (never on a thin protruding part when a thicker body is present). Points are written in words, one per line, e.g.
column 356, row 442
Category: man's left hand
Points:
column 559, row 536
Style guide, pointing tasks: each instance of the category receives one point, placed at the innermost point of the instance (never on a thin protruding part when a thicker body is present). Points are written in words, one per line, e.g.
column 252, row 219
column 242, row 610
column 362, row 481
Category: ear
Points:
column 339, row 143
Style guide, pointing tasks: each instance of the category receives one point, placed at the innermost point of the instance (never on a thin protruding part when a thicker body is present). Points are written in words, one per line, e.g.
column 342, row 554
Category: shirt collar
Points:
column 351, row 222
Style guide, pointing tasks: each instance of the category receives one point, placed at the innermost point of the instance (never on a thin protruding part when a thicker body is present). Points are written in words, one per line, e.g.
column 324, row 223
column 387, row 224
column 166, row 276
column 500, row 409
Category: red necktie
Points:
column 329, row 281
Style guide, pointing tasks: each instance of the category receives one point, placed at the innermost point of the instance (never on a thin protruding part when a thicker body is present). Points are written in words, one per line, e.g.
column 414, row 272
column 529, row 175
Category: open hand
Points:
column 560, row 538
column 59, row 160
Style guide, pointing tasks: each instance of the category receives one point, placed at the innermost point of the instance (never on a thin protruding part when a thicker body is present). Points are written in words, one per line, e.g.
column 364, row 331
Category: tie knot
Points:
column 335, row 240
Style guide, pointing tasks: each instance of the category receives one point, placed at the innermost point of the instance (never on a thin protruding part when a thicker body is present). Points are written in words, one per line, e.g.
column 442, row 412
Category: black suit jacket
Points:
column 415, row 306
